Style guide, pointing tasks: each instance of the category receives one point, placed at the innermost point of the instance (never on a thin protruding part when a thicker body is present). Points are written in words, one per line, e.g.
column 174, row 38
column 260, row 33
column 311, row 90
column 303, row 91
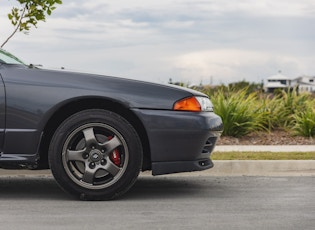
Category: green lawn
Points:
column 263, row 156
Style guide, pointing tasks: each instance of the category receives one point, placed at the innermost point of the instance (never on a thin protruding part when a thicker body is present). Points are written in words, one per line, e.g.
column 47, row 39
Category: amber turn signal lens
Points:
column 188, row 104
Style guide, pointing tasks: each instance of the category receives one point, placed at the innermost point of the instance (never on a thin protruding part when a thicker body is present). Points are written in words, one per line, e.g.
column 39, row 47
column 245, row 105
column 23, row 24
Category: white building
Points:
column 306, row 84
column 280, row 81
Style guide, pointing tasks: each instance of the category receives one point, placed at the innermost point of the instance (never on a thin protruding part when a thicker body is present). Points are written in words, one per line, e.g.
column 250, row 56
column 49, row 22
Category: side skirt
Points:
column 18, row 161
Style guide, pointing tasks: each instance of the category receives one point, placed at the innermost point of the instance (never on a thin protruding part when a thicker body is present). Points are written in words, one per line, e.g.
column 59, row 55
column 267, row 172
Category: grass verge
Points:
column 263, row 156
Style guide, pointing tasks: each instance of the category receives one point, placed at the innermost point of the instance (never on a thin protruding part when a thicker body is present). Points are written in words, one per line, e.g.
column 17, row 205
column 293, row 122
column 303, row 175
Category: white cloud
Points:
column 230, row 65
column 188, row 40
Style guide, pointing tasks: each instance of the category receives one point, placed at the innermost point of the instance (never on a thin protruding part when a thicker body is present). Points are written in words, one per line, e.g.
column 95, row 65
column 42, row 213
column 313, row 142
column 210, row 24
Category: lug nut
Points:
column 92, row 165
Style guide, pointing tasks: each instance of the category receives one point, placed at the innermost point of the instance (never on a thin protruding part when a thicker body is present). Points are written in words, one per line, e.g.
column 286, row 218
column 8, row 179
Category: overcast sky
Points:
column 192, row 41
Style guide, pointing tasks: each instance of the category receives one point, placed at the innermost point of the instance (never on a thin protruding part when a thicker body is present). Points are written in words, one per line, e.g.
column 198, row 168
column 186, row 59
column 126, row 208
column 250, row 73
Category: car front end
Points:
column 182, row 139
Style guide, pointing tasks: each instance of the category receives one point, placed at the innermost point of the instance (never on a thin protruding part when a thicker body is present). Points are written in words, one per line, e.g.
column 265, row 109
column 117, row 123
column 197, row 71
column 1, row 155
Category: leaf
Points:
column 29, row 13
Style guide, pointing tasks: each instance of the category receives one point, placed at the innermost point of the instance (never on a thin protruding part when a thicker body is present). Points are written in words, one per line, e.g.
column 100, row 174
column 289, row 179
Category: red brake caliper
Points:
column 114, row 156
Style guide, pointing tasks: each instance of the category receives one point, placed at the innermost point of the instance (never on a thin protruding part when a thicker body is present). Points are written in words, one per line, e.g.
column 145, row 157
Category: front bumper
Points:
column 180, row 141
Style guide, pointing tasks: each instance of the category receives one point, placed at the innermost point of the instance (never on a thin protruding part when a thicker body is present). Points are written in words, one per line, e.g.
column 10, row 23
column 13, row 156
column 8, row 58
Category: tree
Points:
column 251, row 87
column 29, row 14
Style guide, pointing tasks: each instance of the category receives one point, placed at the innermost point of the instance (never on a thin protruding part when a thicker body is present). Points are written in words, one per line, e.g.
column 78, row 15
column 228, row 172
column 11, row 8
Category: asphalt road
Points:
column 166, row 202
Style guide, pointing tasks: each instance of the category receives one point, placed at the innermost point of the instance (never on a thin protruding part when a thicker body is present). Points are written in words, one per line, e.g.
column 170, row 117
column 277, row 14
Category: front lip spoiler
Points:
column 160, row 168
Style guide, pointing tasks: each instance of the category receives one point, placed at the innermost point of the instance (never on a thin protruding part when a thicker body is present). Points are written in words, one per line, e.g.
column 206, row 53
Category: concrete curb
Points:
column 228, row 167
column 265, row 148
column 264, row 168
column 268, row 168
column 221, row 168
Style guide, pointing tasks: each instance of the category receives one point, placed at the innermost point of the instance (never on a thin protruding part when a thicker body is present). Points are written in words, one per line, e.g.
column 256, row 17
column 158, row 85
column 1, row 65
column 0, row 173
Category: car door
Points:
column 2, row 113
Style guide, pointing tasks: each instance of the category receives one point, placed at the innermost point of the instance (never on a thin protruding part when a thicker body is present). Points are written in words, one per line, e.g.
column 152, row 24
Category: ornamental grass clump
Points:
column 243, row 111
column 270, row 109
column 303, row 122
column 290, row 104
column 240, row 112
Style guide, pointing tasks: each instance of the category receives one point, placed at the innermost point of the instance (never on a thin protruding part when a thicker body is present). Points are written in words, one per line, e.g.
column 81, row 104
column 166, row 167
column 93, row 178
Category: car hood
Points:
column 132, row 93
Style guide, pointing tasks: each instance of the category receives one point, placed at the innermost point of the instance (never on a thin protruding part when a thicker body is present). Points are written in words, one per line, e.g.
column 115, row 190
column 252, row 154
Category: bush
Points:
column 239, row 112
column 290, row 103
column 244, row 111
column 304, row 121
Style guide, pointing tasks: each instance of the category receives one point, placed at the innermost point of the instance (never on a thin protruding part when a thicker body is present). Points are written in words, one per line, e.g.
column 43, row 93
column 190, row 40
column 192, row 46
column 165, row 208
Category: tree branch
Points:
column 17, row 27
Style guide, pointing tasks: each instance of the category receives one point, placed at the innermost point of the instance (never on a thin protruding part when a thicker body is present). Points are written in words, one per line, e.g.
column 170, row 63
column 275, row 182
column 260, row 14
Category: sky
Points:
column 189, row 41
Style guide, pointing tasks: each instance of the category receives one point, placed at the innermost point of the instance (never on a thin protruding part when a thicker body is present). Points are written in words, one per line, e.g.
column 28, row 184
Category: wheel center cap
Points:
column 95, row 155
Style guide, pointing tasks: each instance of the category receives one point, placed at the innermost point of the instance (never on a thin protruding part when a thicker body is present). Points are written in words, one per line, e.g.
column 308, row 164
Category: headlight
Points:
column 194, row 104
column 205, row 103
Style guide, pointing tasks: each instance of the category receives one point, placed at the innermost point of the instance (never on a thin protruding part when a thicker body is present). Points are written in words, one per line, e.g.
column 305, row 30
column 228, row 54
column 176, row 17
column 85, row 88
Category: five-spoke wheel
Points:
column 95, row 154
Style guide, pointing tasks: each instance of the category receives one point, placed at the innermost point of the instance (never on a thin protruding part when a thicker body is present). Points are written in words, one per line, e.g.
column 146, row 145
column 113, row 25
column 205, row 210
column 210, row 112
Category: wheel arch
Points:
column 73, row 107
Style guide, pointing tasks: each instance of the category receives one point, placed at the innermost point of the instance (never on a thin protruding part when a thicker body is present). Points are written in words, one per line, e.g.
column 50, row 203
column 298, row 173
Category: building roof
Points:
column 279, row 76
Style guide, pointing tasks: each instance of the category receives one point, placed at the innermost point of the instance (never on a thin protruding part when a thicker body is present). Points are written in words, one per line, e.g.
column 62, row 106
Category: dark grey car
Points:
column 97, row 132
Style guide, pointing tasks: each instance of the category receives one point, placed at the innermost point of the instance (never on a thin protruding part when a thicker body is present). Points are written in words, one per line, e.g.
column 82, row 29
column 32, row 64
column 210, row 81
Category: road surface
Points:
column 165, row 202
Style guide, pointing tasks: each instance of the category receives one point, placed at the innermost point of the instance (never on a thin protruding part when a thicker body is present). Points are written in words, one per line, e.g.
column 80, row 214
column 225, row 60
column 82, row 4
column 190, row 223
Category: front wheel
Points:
column 95, row 155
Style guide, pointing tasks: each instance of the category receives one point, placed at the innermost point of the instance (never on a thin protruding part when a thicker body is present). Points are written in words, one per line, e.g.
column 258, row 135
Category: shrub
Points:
column 304, row 121
column 290, row 103
column 271, row 110
column 244, row 111
column 239, row 112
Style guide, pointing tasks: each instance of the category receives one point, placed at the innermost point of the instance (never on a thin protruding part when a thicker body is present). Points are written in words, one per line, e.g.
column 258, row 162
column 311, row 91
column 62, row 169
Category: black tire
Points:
column 95, row 155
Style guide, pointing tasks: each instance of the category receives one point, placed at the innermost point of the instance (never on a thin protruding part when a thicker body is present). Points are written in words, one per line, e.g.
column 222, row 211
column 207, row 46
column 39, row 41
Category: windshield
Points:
column 8, row 58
